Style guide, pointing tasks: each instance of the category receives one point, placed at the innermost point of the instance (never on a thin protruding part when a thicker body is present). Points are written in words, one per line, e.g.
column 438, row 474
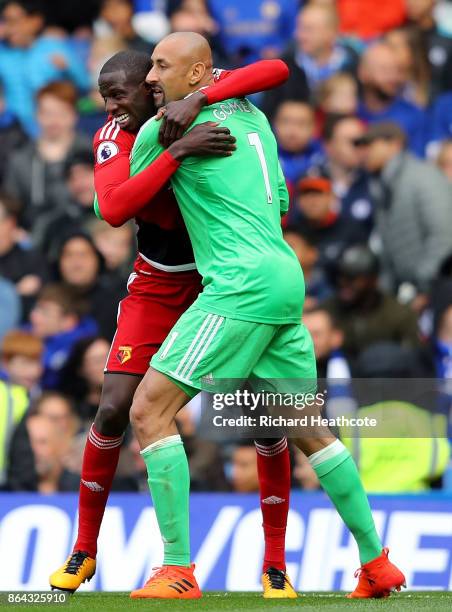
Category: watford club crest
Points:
column 124, row 354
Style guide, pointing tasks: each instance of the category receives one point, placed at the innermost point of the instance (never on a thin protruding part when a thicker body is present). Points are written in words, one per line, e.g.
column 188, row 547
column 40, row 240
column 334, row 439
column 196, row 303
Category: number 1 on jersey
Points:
column 255, row 141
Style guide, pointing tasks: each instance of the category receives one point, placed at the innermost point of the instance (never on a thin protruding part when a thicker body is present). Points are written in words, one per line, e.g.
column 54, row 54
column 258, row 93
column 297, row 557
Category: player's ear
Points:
column 197, row 73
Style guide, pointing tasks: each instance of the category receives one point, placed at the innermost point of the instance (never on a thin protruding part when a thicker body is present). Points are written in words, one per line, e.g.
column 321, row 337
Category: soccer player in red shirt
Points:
column 162, row 286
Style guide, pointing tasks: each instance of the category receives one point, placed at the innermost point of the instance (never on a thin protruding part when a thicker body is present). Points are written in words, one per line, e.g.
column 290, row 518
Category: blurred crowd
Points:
column 364, row 129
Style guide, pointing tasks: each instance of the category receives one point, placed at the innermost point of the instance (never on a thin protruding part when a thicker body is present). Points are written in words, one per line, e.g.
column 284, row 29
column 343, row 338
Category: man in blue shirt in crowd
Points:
column 298, row 149
column 30, row 59
column 254, row 29
column 380, row 101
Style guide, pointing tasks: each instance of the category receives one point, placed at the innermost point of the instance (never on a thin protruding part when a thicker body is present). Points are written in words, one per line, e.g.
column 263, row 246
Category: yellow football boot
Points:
column 78, row 568
column 277, row 585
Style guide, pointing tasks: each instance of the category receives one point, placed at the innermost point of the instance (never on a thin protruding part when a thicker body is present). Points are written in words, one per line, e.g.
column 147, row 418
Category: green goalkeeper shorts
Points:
column 209, row 352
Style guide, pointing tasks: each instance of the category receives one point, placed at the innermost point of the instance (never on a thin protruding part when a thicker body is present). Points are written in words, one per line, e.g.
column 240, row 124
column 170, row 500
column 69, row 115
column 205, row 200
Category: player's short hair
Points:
column 21, row 343
column 64, row 91
column 135, row 64
column 66, row 297
column 9, row 206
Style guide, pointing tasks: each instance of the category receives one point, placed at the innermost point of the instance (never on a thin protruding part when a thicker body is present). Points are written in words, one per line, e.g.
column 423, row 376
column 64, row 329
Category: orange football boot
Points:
column 170, row 582
column 378, row 578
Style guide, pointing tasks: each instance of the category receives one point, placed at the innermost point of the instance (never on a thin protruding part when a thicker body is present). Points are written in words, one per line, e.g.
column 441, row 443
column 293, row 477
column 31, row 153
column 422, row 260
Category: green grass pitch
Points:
column 242, row 602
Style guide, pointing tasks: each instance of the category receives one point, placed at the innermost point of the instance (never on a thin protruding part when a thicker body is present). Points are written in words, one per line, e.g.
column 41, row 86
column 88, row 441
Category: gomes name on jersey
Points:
column 226, row 110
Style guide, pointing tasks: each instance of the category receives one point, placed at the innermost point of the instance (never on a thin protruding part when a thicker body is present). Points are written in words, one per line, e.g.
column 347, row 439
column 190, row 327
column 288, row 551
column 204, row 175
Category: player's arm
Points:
column 260, row 76
column 121, row 196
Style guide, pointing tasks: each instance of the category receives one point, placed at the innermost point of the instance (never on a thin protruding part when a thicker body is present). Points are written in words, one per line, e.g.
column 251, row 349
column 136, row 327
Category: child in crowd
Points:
column 21, row 360
column 294, row 126
column 58, row 320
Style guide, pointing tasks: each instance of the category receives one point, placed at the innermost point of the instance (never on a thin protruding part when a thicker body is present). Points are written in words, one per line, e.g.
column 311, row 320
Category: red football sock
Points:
column 99, row 466
column 273, row 468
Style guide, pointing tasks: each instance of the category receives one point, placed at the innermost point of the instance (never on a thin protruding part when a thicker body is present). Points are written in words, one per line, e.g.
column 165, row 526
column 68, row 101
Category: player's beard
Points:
column 159, row 98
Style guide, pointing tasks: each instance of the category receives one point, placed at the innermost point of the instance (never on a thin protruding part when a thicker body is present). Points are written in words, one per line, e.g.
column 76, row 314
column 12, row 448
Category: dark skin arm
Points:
column 177, row 116
column 204, row 139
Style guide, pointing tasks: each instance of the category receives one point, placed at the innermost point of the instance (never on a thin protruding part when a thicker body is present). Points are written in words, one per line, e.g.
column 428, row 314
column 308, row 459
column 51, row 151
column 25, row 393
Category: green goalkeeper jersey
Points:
column 232, row 207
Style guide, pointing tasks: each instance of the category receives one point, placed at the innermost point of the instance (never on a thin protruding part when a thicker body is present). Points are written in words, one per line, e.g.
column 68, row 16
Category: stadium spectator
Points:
column 334, row 367
column 295, row 88
column 35, row 173
column 381, row 99
column 365, row 20
column 82, row 268
column 444, row 159
column 317, row 212
column 408, row 45
column 21, row 360
column 338, row 95
column 413, row 195
column 13, row 405
column 328, row 341
column 22, row 266
column 83, row 375
column 194, row 17
column 315, row 55
column 32, row 58
column 421, row 14
column 12, row 135
column 76, row 212
column 92, row 106
column 350, row 182
column 318, row 49
column 298, row 150
column 411, row 451
column 363, row 311
column 58, row 320
column 316, row 283
column 60, row 410
column 115, row 245
column 49, row 449
column 244, row 468
column 253, row 30
column 118, row 15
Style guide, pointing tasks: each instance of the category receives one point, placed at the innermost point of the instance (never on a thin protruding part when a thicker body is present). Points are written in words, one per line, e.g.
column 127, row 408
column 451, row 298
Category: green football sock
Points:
column 340, row 479
column 169, row 483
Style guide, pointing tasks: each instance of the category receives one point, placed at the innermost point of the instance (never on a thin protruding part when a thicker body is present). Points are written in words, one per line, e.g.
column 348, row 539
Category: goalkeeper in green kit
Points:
column 245, row 324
